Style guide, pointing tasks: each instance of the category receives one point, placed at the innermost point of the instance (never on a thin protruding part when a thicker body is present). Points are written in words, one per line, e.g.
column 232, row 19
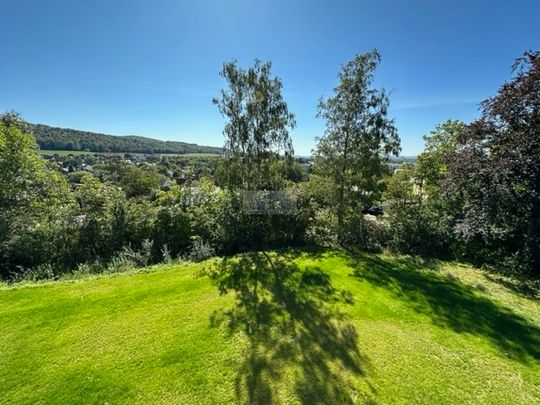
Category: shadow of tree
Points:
column 526, row 287
column 451, row 304
column 294, row 328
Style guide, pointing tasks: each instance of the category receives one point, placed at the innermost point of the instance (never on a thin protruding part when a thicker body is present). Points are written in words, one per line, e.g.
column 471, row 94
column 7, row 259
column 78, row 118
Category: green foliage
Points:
column 36, row 204
column 359, row 136
column 432, row 163
column 188, row 214
column 128, row 258
column 258, row 123
column 140, row 221
column 402, row 188
column 421, row 219
column 473, row 193
column 200, row 251
column 259, row 157
column 244, row 231
column 361, row 234
column 171, row 228
column 103, row 220
column 322, row 230
column 496, row 173
column 137, row 182
column 51, row 138
column 420, row 230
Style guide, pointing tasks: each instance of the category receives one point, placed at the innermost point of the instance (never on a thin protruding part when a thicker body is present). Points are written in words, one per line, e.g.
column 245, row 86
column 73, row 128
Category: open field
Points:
column 335, row 329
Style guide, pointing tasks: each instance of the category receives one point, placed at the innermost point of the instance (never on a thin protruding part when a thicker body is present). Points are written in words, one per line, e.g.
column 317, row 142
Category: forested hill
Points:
column 52, row 138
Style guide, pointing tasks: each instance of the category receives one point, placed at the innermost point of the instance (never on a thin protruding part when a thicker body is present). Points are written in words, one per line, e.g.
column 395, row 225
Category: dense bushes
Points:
column 50, row 227
column 113, row 231
column 122, row 220
column 418, row 231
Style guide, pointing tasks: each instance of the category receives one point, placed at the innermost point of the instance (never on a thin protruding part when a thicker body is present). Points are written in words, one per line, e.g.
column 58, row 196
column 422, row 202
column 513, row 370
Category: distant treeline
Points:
column 51, row 138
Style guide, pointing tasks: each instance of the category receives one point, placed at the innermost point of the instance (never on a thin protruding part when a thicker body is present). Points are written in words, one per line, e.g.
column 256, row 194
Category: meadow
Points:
column 327, row 327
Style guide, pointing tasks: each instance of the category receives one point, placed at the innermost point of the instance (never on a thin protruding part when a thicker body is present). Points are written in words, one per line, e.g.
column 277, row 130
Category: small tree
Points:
column 432, row 165
column 103, row 207
column 359, row 136
column 421, row 217
column 258, row 124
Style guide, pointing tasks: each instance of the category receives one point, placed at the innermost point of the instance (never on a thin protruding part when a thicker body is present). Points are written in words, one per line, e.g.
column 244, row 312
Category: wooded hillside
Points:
column 52, row 138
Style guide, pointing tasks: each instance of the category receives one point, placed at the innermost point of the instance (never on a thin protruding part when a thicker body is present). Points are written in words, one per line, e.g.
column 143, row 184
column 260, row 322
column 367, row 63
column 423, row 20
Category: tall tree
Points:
column 34, row 201
column 359, row 136
column 497, row 169
column 258, row 123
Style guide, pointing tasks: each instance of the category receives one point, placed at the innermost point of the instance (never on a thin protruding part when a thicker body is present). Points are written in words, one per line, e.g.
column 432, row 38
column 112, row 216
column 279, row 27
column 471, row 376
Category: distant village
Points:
column 171, row 168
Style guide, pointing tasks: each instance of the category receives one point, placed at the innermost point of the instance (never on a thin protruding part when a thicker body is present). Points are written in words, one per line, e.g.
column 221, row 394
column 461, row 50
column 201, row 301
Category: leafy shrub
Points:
column 129, row 258
column 165, row 252
column 365, row 234
column 172, row 227
column 200, row 250
column 241, row 230
column 42, row 272
column 322, row 229
column 120, row 263
column 84, row 269
column 420, row 232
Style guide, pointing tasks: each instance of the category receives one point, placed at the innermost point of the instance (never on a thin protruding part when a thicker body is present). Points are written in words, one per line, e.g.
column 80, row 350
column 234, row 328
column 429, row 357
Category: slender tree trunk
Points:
column 341, row 208
column 341, row 195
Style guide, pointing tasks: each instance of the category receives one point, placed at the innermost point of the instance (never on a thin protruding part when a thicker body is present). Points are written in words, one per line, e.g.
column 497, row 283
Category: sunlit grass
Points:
column 423, row 333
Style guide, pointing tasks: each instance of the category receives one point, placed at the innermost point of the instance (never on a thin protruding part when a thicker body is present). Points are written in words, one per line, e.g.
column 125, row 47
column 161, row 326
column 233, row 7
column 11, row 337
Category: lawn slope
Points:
column 327, row 327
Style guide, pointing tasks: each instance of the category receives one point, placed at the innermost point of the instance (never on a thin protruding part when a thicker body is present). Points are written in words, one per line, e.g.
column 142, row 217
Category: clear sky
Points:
column 151, row 67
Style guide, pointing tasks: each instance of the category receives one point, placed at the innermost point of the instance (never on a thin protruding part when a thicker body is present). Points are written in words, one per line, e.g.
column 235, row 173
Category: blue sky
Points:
column 151, row 67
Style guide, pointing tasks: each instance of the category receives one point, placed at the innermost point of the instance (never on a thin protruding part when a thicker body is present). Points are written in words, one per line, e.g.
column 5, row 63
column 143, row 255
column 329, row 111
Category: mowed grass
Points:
column 406, row 331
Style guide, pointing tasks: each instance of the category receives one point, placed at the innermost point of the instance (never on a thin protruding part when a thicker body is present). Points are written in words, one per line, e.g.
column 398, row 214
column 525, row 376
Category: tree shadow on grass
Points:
column 296, row 334
column 526, row 287
column 451, row 304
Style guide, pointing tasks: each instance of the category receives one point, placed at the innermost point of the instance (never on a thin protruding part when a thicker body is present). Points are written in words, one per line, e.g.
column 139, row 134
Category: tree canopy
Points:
column 258, row 123
column 496, row 170
column 359, row 135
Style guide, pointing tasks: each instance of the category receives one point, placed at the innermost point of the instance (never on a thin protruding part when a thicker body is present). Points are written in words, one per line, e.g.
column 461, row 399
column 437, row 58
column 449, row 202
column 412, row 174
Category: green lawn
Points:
column 329, row 328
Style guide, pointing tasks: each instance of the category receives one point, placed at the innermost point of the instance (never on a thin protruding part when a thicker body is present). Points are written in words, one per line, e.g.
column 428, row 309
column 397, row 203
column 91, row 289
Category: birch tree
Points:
column 359, row 136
